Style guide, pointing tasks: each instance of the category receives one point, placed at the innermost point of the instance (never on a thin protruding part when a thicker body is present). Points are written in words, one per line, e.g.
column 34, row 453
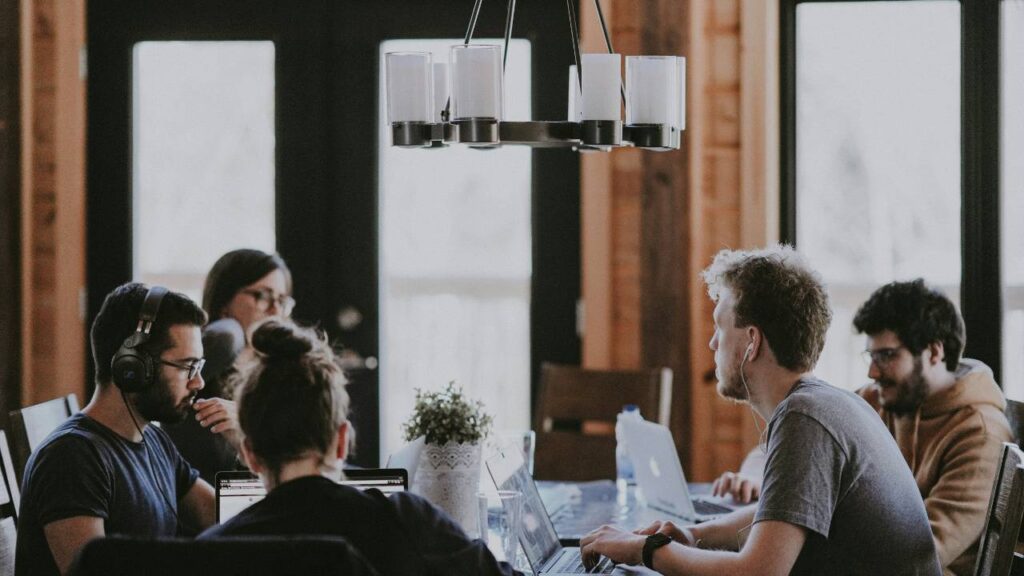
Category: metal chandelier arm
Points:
column 575, row 33
column 509, row 17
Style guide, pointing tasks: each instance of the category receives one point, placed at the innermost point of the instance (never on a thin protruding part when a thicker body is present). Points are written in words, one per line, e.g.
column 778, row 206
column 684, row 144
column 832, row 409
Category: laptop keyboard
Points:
column 571, row 562
column 705, row 508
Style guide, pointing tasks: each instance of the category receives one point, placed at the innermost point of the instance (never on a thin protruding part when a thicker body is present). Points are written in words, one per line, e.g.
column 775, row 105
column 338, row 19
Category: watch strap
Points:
column 653, row 542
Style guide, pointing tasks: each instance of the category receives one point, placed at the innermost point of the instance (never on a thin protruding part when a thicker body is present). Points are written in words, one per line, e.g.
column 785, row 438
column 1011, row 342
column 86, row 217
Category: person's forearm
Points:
column 723, row 533
column 677, row 559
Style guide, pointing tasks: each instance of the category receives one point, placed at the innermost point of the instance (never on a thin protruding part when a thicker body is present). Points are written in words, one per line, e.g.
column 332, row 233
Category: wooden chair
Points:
column 10, row 499
column 1015, row 415
column 576, row 412
column 307, row 555
column 1005, row 511
column 31, row 425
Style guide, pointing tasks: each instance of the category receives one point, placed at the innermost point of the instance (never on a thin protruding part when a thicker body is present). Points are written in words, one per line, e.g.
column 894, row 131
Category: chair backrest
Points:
column 32, row 424
column 121, row 555
column 576, row 414
column 1005, row 511
column 10, row 496
column 9, row 501
column 1015, row 415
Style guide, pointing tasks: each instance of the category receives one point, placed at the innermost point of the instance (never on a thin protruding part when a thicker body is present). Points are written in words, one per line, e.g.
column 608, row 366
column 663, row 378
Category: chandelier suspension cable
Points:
column 575, row 33
column 509, row 17
column 608, row 43
column 446, row 113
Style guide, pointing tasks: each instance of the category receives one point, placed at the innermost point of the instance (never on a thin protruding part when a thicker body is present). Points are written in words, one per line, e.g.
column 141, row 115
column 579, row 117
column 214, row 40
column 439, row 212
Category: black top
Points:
column 86, row 469
column 401, row 535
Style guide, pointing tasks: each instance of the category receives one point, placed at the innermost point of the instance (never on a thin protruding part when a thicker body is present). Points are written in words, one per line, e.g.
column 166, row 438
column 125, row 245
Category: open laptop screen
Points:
column 538, row 536
column 236, row 491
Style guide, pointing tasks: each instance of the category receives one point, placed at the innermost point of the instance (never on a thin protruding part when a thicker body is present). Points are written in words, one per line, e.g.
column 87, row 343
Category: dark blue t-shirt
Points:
column 86, row 469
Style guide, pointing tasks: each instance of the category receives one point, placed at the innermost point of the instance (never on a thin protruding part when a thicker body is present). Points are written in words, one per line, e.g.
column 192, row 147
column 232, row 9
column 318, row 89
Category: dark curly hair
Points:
column 918, row 314
column 777, row 291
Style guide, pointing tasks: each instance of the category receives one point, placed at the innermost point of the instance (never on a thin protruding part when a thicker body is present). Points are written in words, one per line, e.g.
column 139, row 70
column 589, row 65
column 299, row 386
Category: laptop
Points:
column 659, row 475
column 545, row 553
column 236, row 491
column 408, row 457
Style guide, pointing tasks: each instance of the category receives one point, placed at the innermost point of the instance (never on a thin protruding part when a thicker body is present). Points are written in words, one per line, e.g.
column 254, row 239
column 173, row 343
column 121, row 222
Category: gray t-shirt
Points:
column 835, row 470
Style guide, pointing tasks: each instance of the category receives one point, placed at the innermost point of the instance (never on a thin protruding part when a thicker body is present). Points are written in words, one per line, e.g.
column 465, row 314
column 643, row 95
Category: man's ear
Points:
column 250, row 459
column 754, row 340
column 937, row 353
column 343, row 441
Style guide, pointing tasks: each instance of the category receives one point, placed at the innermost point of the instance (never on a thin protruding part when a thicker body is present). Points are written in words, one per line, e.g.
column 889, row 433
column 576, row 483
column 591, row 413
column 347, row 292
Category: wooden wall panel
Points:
column 663, row 216
column 52, row 200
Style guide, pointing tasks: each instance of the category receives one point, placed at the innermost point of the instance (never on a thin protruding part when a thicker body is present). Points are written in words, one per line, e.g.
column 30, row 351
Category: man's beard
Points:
column 910, row 393
column 156, row 404
column 730, row 385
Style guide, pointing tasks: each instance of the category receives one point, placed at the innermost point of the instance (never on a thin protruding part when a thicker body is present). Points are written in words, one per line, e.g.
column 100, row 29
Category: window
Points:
column 877, row 155
column 203, row 157
column 456, row 264
column 1012, row 182
column 891, row 161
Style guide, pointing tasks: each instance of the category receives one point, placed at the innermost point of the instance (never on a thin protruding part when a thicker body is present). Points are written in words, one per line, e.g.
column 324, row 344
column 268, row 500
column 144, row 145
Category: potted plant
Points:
column 449, row 469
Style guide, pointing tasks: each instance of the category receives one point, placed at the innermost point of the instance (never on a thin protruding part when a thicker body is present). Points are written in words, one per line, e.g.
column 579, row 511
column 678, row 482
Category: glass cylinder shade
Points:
column 652, row 90
column 476, row 88
column 410, row 86
column 440, row 90
column 575, row 111
column 602, row 81
column 681, row 93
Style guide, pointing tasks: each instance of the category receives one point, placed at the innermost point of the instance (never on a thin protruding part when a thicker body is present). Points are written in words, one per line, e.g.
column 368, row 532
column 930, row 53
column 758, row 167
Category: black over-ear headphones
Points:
column 132, row 368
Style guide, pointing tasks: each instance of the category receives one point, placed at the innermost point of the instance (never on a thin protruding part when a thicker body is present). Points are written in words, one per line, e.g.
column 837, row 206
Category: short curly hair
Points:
column 918, row 314
column 777, row 291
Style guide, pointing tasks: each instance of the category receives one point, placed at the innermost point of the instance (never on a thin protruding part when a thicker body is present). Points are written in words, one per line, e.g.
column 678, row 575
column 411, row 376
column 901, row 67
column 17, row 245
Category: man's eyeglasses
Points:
column 265, row 297
column 881, row 357
column 194, row 367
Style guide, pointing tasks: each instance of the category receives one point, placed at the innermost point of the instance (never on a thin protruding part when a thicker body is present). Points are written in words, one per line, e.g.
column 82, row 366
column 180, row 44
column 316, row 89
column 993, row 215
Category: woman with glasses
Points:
column 242, row 288
column 293, row 412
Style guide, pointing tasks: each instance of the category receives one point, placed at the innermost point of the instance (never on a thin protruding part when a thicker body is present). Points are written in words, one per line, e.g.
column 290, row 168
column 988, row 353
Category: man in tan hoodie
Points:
column 946, row 414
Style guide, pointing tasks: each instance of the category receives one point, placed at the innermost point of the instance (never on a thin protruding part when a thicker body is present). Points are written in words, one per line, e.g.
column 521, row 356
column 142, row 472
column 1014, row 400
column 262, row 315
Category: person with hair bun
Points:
column 293, row 414
column 242, row 288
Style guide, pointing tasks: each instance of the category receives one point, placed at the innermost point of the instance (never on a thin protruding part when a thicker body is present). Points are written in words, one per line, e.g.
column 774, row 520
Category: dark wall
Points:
column 10, row 229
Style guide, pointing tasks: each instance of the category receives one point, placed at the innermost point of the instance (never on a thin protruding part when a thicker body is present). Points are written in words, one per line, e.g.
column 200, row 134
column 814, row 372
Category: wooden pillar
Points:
column 653, row 221
column 53, row 199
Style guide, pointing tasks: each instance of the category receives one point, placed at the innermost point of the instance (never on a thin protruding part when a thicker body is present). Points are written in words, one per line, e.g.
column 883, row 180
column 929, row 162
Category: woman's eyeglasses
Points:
column 265, row 297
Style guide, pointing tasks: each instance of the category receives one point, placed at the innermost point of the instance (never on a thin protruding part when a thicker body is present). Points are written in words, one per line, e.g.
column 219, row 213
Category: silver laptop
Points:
column 538, row 537
column 659, row 475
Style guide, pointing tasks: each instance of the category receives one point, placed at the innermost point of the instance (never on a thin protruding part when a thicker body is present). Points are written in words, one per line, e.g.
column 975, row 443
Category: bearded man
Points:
column 106, row 470
column 946, row 413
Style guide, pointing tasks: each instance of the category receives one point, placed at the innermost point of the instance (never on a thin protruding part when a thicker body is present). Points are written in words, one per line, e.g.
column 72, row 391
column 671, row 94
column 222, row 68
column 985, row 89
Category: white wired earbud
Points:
column 743, row 378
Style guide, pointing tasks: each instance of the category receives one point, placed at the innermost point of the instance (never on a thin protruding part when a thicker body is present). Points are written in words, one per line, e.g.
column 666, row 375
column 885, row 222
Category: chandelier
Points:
column 433, row 104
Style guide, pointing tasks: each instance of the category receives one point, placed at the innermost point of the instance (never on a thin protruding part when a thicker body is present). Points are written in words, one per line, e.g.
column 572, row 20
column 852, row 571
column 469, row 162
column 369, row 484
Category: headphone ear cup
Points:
column 131, row 370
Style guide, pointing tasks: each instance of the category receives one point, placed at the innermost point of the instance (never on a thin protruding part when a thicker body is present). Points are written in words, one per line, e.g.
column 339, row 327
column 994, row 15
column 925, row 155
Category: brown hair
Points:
column 291, row 397
column 777, row 291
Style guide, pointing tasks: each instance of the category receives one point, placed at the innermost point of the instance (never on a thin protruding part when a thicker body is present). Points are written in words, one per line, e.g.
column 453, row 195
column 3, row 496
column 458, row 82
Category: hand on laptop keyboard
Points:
column 619, row 546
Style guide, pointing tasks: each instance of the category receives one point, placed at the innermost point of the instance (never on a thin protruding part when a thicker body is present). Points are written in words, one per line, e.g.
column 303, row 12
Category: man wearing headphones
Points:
column 837, row 497
column 105, row 470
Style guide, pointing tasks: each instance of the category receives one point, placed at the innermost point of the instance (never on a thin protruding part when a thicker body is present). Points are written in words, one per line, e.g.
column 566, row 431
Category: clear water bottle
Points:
column 624, row 473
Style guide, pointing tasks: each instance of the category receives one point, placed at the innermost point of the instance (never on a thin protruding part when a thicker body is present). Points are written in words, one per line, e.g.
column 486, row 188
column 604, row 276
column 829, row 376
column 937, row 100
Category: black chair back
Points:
column 307, row 555
column 1005, row 511
column 1015, row 415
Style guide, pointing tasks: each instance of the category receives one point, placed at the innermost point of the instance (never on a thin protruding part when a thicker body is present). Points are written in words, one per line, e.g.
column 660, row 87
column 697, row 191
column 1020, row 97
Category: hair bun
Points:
column 281, row 339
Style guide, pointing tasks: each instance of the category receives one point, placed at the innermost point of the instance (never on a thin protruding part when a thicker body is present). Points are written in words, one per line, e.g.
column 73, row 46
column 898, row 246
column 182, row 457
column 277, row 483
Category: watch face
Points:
column 653, row 542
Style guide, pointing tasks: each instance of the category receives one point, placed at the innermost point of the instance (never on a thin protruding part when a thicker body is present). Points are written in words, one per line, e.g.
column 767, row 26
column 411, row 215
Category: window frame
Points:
column 980, row 237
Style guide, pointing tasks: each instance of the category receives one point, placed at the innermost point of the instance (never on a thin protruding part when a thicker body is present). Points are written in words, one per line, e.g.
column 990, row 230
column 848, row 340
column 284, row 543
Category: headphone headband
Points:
column 150, row 308
column 133, row 369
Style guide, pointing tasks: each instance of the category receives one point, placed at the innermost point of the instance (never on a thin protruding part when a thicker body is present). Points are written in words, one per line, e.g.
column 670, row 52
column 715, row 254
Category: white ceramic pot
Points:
column 449, row 477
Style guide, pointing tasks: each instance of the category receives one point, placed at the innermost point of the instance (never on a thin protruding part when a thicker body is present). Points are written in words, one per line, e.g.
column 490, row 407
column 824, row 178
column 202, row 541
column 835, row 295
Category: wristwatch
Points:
column 653, row 542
